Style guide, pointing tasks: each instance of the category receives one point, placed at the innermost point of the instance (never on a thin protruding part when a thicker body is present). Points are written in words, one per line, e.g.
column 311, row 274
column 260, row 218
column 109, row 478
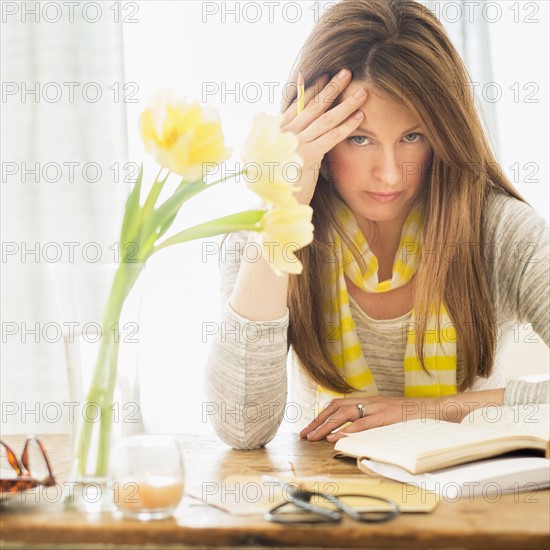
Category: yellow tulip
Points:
column 182, row 136
column 271, row 161
column 283, row 231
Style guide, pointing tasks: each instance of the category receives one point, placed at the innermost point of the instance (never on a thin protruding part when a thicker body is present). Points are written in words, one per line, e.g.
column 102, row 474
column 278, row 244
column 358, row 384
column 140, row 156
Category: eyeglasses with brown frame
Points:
column 24, row 479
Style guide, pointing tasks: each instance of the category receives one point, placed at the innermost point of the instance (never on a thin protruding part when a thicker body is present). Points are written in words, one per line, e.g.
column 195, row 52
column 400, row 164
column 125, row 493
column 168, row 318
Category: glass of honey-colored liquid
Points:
column 147, row 476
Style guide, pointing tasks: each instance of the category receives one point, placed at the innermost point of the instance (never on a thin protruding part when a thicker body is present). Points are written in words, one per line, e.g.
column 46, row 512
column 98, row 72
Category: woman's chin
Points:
column 380, row 213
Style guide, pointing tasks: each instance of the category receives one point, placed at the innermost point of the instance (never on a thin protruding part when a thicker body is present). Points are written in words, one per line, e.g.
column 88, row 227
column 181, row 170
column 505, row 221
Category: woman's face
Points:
column 380, row 168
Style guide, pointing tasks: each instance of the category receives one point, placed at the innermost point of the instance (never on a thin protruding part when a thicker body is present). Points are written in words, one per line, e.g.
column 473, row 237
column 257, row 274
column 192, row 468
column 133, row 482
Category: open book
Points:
column 492, row 476
column 424, row 445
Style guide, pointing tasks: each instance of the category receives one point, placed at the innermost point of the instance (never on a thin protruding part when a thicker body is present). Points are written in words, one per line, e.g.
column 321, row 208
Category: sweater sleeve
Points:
column 522, row 392
column 520, row 246
column 246, row 379
column 520, row 252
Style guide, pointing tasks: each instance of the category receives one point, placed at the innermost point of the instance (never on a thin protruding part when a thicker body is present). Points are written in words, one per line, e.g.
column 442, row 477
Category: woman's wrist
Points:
column 454, row 408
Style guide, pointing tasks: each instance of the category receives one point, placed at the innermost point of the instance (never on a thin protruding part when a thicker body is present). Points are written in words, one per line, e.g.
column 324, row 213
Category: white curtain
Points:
column 468, row 28
column 63, row 140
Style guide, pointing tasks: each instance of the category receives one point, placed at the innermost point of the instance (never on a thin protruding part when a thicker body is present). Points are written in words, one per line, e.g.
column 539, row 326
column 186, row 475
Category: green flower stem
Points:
column 101, row 390
column 221, row 180
column 132, row 216
column 242, row 221
column 106, row 421
column 157, row 222
column 131, row 275
column 153, row 196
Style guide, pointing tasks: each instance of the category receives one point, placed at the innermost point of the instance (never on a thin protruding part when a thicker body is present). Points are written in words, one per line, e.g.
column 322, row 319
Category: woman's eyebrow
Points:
column 367, row 131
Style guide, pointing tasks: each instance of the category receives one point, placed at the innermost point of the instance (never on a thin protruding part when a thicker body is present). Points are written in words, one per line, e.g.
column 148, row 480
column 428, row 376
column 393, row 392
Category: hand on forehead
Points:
column 353, row 87
column 380, row 109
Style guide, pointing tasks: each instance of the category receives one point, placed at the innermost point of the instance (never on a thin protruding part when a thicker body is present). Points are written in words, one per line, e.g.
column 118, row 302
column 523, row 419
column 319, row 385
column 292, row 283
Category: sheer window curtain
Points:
column 63, row 133
column 505, row 47
column 469, row 32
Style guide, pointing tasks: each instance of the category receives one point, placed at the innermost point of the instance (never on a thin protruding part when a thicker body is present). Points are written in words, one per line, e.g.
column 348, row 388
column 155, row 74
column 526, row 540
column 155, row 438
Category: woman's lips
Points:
column 384, row 197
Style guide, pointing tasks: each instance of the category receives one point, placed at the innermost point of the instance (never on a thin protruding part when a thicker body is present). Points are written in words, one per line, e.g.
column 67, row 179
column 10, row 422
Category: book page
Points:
column 527, row 419
column 415, row 438
column 497, row 475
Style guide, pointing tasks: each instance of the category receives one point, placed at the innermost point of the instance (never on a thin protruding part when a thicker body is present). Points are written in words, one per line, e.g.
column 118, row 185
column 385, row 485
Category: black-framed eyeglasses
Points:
column 18, row 476
column 299, row 508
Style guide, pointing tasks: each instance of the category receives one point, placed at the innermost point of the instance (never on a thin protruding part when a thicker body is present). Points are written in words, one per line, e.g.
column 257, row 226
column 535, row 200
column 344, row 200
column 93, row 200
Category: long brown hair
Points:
column 401, row 48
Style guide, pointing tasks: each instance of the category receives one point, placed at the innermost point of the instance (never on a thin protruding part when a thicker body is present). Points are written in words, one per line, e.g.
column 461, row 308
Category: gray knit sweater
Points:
column 248, row 371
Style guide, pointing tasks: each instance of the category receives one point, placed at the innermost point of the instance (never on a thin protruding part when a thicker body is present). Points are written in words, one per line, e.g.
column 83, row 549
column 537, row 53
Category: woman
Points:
column 422, row 249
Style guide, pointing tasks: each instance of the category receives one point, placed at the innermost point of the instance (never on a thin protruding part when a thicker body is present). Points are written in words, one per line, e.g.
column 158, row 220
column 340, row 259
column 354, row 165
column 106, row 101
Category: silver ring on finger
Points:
column 361, row 409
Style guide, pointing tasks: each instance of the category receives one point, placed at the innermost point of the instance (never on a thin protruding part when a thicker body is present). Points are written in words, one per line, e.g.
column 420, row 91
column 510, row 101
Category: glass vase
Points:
column 99, row 306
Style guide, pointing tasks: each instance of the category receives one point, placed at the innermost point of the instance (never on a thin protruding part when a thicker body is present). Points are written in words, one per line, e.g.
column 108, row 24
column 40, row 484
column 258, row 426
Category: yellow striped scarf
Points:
column 343, row 343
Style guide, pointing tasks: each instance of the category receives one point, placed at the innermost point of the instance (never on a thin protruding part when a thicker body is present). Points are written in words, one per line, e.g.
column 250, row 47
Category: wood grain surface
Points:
column 34, row 521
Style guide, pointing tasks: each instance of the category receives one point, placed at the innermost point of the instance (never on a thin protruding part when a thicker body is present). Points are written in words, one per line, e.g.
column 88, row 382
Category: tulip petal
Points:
column 271, row 159
column 182, row 136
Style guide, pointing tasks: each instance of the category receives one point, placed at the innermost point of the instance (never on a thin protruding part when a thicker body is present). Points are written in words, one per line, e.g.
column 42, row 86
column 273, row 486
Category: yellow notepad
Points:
column 255, row 495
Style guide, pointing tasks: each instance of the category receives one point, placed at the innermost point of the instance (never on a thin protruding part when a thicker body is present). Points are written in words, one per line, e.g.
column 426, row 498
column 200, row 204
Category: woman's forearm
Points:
column 245, row 383
column 453, row 408
column 259, row 294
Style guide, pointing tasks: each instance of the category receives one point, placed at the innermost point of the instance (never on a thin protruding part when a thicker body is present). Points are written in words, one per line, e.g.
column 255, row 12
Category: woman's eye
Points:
column 414, row 135
column 357, row 140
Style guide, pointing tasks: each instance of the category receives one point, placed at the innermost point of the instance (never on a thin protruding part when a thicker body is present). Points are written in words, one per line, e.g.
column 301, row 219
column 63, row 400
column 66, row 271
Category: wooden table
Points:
column 513, row 521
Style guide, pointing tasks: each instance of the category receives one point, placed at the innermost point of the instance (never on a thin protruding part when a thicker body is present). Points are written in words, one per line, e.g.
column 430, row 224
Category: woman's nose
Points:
column 387, row 169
